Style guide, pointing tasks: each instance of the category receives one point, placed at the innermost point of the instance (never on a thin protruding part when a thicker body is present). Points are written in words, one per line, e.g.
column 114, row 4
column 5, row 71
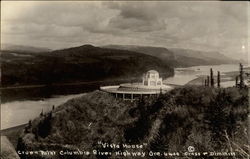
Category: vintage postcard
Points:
column 125, row 80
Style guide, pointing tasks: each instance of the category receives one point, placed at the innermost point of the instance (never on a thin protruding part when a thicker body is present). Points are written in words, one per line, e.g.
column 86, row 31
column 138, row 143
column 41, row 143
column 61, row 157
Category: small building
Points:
column 151, row 85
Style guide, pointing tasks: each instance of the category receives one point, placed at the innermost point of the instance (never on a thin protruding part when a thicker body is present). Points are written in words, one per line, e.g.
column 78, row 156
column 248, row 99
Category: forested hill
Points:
column 179, row 57
column 83, row 63
column 210, row 119
column 200, row 57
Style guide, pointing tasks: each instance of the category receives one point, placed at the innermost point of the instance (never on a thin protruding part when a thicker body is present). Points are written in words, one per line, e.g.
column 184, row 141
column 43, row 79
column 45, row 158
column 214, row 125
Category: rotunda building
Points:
column 151, row 85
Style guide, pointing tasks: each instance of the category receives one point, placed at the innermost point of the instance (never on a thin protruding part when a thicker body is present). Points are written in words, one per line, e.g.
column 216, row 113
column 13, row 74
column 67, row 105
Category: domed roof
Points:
column 153, row 71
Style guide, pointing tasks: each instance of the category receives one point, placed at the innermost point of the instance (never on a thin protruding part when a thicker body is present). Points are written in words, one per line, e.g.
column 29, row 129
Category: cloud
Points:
column 135, row 10
column 136, row 25
column 216, row 26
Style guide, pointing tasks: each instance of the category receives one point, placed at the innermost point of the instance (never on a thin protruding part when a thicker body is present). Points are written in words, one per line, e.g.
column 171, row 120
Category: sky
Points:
column 208, row 26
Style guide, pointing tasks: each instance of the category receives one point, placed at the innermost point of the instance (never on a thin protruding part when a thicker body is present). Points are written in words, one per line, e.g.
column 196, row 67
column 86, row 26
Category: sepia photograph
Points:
column 125, row 79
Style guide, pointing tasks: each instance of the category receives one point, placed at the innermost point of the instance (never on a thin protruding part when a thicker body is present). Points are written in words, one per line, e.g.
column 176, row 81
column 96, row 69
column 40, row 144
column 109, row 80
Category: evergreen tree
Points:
column 137, row 132
column 44, row 127
column 41, row 114
column 26, row 129
column 36, row 134
column 211, row 77
column 218, row 117
column 208, row 79
column 29, row 125
column 49, row 117
column 218, row 79
column 21, row 147
column 160, row 91
column 236, row 81
column 241, row 76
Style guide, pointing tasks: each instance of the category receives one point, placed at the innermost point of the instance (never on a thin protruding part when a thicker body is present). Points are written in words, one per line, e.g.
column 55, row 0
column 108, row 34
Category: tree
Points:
column 241, row 76
column 44, row 126
column 21, row 147
column 208, row 79
column 217, row 116
column 29, row 125
column 140, row 128
column 160, row 91
column 218, row 79
column 211, row 77
column 41, row 114
column 236, row 81
column 26, row 129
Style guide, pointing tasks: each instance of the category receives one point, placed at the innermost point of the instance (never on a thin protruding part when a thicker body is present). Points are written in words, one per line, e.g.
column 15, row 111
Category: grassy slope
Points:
column 7, row 149
column 80, row 123
column 186, row 116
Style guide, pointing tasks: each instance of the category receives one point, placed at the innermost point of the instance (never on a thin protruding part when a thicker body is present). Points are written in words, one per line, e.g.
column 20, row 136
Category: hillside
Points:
column 160, row 52
column 84, row 63
column 178, row 57
column 204, row 57
column 208, row 119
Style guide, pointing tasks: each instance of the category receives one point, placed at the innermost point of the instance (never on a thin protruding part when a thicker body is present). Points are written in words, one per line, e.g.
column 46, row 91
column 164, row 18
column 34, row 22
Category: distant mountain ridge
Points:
column 90, row 63
column 78, row 64
column 175, row 57
column 178, row 57
column 22, row 48
column 203, row 55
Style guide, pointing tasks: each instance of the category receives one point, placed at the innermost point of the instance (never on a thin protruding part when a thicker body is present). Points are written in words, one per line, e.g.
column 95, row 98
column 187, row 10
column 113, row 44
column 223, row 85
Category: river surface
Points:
column 18, row 111
column 184, row 75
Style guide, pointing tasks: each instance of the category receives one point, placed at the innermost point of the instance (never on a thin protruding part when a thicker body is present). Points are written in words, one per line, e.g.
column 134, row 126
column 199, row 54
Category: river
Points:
column 19, row 111
column 184, row 75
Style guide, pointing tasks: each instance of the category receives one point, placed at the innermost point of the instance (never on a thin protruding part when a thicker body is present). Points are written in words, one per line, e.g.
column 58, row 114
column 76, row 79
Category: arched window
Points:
column 152, row 83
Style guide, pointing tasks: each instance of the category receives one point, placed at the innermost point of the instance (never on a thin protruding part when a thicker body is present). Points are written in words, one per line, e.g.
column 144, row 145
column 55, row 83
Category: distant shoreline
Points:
column 13, row 133
column 200, row 80
column 4, row 131
column 42, row 91
column 62, row 84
